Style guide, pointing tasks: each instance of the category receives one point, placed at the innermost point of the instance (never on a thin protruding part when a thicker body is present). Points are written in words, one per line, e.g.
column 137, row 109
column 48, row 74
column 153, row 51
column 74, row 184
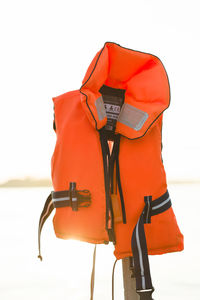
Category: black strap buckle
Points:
column 73, row 196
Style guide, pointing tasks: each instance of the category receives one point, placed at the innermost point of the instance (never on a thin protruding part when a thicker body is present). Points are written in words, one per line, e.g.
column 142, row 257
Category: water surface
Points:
column 65, row 270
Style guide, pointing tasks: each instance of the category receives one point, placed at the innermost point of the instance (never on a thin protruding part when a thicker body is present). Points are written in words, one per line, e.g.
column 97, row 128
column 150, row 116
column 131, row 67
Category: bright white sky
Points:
column 46, row 47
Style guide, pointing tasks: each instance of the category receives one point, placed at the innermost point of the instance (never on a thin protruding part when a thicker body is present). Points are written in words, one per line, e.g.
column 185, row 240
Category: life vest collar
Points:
column 141, row 75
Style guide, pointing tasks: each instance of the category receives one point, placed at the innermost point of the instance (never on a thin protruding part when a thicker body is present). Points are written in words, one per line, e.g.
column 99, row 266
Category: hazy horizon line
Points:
column 29, row 181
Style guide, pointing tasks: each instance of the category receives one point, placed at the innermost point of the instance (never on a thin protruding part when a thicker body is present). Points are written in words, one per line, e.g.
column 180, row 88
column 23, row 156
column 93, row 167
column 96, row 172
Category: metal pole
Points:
column 129, row 282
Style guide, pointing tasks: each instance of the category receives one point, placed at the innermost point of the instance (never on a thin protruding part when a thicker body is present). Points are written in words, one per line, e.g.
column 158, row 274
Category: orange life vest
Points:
column 107, row 171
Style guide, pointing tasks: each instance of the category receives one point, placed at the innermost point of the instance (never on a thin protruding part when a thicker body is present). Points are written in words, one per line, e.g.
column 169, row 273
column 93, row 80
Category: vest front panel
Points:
column 77, row 158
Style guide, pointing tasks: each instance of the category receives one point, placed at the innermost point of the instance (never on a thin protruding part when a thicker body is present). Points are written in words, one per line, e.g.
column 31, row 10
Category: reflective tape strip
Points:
column 99, row 103
column 161, row 204
column 139, row 247
column 61, row 199
column 140, row 257
column 74, row 199
column 132, row 117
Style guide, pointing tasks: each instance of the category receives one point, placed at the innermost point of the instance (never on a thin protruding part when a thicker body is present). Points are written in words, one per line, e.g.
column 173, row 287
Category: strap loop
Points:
column 147, row 209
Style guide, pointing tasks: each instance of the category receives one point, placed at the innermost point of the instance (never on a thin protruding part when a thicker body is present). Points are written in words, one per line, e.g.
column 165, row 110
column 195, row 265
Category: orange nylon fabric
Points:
column 142, row 75
column 78, row 156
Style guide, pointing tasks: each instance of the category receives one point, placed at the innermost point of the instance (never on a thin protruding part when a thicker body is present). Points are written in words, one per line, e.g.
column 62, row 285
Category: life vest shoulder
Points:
column 65, row 96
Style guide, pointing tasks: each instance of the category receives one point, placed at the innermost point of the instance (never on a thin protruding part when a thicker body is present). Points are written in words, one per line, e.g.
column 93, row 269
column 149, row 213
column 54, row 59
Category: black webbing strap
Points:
column 48, row 208
column 61, row 199
column 109, row 160
column 106, row 166
column 142, row 274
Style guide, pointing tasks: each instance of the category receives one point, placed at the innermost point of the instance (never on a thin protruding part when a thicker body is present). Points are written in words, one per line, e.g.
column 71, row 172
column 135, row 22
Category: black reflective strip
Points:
column 161, row 204
column 162, row 208
column 48, row 208
column 159, row 200
column 139, row 247
column 137, row 268
column 63, row 199
column 62, row 203
column 140, row 257
column 60, row 194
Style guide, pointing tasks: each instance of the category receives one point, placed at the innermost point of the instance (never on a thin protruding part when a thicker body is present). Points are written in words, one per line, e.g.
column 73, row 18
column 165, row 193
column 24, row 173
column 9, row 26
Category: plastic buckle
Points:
column 73, row 196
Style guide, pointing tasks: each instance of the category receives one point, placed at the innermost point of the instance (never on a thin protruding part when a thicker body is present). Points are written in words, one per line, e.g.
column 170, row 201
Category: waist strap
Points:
column 64, row 198
column 68, row 198
column 140, row 259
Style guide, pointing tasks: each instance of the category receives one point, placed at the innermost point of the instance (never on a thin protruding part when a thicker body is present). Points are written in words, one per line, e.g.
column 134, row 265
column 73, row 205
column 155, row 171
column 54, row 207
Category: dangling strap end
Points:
column 48, row 208
column 40, row 257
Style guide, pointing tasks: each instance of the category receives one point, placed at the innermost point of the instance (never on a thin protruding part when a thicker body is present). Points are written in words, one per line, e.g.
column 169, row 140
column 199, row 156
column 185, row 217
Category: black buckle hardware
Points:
column 73, row 196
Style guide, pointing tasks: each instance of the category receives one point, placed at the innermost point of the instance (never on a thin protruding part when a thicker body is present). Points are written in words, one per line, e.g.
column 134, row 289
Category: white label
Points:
column 110, row 108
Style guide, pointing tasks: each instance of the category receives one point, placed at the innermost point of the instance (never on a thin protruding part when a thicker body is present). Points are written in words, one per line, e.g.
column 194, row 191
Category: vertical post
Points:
column 129, row 282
